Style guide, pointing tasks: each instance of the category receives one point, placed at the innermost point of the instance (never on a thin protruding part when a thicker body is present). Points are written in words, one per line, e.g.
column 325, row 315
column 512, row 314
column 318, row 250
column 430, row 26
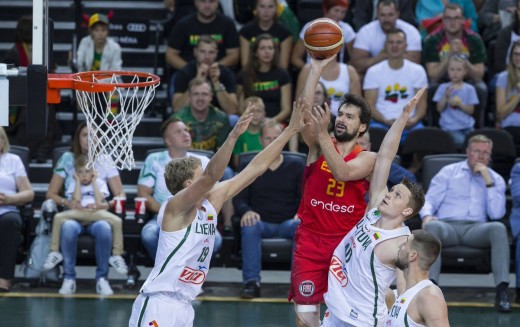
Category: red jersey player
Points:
column 335, row 183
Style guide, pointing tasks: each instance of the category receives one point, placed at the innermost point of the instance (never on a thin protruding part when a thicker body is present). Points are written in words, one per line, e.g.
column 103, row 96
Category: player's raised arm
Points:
column 388, row 150
column 308, row 91
column 261, row 162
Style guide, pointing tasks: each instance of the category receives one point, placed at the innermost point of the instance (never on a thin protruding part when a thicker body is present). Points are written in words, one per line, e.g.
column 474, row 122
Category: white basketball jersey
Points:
column 358, row 281
column 398, row 315
column 183, row 257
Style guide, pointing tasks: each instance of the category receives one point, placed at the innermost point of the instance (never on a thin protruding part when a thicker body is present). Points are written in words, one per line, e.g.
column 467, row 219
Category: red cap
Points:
column 327, row 4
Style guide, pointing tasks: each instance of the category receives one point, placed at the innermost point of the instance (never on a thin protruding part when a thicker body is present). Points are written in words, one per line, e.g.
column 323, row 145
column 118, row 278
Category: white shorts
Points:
column 330, row 320
column 161, row 310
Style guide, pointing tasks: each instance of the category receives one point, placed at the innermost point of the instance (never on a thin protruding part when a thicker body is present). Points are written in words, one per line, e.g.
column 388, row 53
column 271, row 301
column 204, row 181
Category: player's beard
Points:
column 345, row 136
column 401, row 264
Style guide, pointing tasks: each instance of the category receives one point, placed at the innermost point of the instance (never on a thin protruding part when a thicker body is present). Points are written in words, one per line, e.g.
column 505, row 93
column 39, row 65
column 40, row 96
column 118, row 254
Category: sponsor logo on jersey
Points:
column 306, row 288
column 210, row 217
column 362, row 236
column 403, row 300
column 353, row 314
column 337, row 270
column 192, row 276
column 330, row 206
column 153, row 323
column 376, row 236
column 394, row 312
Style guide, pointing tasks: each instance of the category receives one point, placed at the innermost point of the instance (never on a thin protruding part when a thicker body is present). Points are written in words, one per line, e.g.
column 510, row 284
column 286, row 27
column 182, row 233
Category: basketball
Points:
column 323, row 38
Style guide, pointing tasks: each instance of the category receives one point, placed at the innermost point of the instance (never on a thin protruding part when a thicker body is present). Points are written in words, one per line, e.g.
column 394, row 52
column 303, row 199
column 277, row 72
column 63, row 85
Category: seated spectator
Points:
column 89, row 193
column 494, row 16
column 365, row 12
column 265, row 21
column 20, row 55
column 453, row 39
column 456, row 102
column 390, row 84
column 460, row 199
column 338, row 79
column 507, row 94
column 514, row 220
column 151, row 184
column 397, row 172
column 250, row 139
column 335, row 10
column 97, row 51
column 263, row 78
column 209, row 128
column 206, row 20
column 369, row 47
column 267, row 209
column 62, row 177
column 15, row 191
column 428, row 9
column 205, row 66
column 208, row 125
column 505, row 39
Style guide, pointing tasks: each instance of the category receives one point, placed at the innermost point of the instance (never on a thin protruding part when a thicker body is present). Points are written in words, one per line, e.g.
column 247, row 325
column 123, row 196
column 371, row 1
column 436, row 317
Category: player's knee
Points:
column 307, row 315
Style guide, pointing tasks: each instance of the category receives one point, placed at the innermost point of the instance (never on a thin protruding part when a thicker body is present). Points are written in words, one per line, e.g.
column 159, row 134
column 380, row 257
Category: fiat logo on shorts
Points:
column 307, row 288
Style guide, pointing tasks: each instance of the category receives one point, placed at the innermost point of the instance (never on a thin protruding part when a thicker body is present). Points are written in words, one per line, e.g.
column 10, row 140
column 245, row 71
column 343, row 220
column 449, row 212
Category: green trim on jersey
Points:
column 175, row 250
column 374, row 279
column 142, row 311
column 406, row 319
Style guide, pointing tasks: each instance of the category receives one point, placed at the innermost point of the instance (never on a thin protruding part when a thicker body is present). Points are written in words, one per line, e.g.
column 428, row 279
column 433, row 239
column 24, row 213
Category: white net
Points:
column 112, row 117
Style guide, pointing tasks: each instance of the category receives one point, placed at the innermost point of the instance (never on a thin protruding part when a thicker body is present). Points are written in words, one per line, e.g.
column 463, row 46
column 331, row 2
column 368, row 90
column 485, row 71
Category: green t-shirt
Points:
column 209, row 134
column 247, row 142
column 437, row 46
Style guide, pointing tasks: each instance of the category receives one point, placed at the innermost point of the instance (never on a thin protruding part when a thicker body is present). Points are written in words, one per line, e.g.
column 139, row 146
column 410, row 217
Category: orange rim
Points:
column 87, row 82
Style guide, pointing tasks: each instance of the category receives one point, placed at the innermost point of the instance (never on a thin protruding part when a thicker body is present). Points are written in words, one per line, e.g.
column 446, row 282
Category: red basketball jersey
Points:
column 329, row 206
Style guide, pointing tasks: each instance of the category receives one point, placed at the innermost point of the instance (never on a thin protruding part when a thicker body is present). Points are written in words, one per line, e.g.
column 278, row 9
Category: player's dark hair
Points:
column 365, row 113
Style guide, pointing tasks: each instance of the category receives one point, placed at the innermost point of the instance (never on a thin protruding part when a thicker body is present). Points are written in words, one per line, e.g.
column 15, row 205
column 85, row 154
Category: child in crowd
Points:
column 456, row 102
column 250, row 139
column 90, row 192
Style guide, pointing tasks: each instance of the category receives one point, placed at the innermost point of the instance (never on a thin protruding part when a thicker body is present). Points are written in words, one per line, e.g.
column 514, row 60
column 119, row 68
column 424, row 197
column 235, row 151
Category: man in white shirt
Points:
column 390, row 84
column 370, row 40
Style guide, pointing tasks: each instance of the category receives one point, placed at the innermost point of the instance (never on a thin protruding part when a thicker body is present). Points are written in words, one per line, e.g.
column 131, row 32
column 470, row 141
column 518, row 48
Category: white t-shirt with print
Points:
column 371, row 37
column 395, row 86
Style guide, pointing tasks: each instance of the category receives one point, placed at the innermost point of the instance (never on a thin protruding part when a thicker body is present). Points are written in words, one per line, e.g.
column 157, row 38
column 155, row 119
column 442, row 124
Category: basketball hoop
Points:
column 110, row 132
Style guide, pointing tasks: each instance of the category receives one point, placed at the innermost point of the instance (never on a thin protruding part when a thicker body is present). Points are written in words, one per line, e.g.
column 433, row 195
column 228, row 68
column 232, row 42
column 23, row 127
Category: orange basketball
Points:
column 323, row 38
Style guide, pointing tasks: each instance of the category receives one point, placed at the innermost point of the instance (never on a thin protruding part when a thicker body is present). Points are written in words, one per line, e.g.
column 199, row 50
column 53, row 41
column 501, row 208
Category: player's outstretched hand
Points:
column 413, row 102
column 321, row 63
column 243, row 122
column 299, row 112
column 321, row 117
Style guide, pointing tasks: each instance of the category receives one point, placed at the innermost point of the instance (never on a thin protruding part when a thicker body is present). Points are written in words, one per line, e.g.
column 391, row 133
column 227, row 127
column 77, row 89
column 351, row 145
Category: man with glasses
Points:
column 460, row 199
column 455, row 40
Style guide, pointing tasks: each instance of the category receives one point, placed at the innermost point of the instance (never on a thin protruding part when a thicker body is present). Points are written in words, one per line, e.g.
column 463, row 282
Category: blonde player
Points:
column 188, row 223
column 363, row 264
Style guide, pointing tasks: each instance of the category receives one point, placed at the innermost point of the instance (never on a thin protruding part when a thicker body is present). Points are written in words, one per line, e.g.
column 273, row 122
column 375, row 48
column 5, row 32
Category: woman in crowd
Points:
column 508, row 94
column 266, row 22
column 15, row 191
column 263, row 78
column 101, row 231
column 338, row 79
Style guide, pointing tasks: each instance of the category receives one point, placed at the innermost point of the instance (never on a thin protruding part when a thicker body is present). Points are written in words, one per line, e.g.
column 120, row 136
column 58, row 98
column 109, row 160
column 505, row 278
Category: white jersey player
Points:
column 363, row 265
column 187, row 225
column 422, row 304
